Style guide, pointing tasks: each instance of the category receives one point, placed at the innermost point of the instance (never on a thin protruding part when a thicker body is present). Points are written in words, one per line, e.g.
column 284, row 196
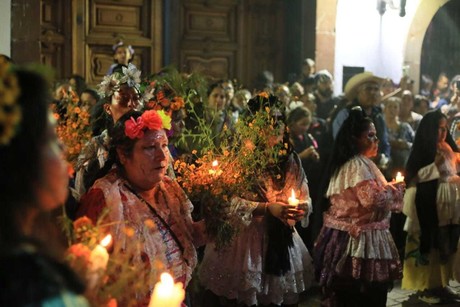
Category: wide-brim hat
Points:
column 352, row 86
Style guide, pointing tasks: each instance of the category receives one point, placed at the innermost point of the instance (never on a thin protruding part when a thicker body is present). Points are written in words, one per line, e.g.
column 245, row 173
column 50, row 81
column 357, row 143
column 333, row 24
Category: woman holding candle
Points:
column 138, row 194
column 355, row 257
column 432, row 207
column 267, row 263
column 33, row 182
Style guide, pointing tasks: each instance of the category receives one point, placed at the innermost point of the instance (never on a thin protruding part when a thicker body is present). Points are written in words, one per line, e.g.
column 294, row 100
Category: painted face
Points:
column 52, row 190
column 217, row 99
column 122, row 55
column 147, row 165
column 124, row 100
column 442, row 130
column 368, row 142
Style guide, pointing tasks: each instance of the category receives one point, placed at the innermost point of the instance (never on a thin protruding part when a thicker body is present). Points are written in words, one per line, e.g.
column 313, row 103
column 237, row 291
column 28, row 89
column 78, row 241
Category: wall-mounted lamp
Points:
column 382, row 7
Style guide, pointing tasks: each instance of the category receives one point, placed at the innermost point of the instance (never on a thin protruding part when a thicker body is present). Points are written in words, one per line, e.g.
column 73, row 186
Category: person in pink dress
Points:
column 355, row 257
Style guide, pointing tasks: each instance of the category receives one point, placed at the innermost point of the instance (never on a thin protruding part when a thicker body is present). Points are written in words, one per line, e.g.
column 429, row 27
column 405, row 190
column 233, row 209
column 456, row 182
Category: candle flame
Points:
column 398, row 174
column 106, row 241
column 167, row 280
column 215, row 163
column 292, row 194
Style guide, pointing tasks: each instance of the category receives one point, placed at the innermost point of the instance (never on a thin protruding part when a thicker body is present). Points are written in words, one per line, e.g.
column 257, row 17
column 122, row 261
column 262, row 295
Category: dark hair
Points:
column 425, row 144
column 92, row 92
column 418, row 99
column 297, row 114
column 118, row 138
column 80, row 83
column 345, row 143
column 21, row 160
column 214, row 85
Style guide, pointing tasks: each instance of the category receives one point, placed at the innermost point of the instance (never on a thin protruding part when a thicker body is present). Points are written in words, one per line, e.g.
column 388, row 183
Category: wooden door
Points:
column 228, row 38
column 99, row 24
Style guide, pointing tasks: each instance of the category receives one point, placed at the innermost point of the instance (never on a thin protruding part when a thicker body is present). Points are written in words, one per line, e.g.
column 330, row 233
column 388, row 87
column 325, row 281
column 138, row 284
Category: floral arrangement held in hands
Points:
column 111, row 276
column 234, row 169
column 74, row 130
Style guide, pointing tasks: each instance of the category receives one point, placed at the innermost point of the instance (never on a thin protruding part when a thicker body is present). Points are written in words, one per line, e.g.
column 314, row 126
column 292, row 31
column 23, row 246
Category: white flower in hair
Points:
column 132, row 75
column 110, row 84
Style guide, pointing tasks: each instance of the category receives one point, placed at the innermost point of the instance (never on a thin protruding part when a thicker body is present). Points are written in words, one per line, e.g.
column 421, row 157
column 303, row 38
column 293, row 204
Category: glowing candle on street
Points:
column 293, row 202
column 399, row 177
column 166, row 293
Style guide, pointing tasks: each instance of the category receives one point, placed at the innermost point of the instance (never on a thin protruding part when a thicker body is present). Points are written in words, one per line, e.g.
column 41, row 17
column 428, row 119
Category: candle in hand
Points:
column 98, row 261
column 399, row 177
column 99, row 255
column 293, row 202
column 166, row 293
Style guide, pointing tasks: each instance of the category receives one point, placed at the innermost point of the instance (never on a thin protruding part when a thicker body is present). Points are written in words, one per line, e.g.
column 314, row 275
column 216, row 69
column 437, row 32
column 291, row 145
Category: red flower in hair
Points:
column 134, row 128
column 152, row 120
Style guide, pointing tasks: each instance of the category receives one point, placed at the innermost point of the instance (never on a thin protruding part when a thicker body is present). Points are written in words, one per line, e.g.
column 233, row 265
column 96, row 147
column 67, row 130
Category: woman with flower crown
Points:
column 136, row 194
column 120, row 93
column 267, row 262
column 33, row 181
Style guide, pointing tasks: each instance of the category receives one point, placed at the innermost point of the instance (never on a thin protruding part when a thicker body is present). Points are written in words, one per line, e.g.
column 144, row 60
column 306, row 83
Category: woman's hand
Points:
column 285, row 212
column 309, row 153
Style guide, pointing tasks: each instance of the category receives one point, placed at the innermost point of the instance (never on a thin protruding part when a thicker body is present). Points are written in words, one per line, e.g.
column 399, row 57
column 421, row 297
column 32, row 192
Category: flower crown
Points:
column 149, row 120
column 162, row 97
column 10, row 110
column 110, row 84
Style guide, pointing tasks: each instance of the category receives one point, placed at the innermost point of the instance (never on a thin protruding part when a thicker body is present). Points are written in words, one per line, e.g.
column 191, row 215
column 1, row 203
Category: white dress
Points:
column 237, row 271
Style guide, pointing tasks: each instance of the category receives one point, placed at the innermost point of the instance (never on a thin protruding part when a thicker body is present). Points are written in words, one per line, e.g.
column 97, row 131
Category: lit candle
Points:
column 293, row 202
column 399, row 177
column 166, row 293
column 215, row 170
column 98, row 260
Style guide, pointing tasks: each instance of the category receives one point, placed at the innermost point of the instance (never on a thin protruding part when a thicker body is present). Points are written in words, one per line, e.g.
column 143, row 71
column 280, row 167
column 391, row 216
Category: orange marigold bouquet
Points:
column 74, row 129
column 111, row 276
column 232, row 170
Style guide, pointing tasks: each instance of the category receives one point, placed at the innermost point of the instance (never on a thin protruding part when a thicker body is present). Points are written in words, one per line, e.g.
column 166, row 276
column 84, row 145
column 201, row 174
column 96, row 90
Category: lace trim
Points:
column 356, row 170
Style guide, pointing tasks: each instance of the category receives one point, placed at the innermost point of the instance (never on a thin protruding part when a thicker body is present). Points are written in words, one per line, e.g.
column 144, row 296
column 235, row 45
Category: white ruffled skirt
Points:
column 237, row 271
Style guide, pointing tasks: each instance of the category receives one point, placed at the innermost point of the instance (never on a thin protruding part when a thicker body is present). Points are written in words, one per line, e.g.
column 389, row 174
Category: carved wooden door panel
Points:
column 228, row 38
column 99, row 24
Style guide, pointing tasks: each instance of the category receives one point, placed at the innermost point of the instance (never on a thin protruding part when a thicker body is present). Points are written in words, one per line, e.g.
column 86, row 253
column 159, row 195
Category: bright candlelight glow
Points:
column 293, row 202
column 98, row 261
column 106, row 241
column 399, row 177
column 166, row 293
column 215, row 171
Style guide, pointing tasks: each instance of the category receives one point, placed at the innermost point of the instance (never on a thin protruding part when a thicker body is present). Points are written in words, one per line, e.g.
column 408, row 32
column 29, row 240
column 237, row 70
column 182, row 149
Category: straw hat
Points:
column 352, row 86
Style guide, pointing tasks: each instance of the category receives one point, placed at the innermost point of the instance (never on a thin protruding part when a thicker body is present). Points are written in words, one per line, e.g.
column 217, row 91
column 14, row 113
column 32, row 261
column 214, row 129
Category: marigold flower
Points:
column 82, row 222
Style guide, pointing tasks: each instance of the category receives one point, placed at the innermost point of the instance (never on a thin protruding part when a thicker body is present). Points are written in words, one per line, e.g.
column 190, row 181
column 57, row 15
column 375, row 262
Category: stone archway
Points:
column 413, row 51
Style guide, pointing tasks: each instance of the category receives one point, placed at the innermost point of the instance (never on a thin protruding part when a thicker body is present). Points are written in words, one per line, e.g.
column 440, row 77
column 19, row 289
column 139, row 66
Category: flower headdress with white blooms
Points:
column 10, row 110
column 110, row 84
